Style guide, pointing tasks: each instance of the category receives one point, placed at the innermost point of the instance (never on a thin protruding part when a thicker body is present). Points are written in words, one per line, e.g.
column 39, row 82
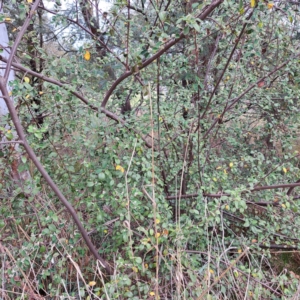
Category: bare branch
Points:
column 19, row 38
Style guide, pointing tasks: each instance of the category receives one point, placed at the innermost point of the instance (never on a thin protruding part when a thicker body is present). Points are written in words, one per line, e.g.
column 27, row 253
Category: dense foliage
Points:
column 171, row 127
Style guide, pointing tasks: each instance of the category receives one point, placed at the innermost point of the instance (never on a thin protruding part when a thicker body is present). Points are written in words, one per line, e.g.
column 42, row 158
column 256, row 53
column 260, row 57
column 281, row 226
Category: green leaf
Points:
column 138, row 260
column 186, row 30
column 196, row 27
column 101, row 176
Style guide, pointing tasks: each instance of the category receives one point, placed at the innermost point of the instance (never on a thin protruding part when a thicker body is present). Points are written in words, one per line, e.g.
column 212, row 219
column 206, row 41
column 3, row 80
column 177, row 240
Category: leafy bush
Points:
column 172, row 132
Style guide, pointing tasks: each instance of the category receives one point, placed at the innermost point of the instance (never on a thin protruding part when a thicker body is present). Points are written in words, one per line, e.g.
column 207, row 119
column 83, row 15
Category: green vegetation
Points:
column 158, row 150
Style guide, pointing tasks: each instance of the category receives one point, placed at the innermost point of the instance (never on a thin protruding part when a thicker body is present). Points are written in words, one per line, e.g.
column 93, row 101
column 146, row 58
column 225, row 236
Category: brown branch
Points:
column 19, row 38
column 291, row 188
column 259, row 188
column 127, row 37
column 278, row 247
column 137, row 10
column 276, row 186
column 188, row 196
column 262, row 203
